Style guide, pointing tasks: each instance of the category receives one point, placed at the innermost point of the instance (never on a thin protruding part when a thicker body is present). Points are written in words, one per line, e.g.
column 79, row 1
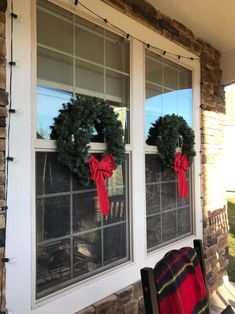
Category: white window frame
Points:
column 20, row 231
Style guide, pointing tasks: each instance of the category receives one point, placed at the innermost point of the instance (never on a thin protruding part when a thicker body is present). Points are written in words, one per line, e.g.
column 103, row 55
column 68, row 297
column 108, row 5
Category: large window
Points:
column 74, row 240
column 168, row 90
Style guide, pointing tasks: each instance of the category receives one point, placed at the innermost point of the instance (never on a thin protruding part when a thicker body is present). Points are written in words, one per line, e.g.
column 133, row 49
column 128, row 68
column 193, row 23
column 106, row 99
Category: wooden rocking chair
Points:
column 177, row 284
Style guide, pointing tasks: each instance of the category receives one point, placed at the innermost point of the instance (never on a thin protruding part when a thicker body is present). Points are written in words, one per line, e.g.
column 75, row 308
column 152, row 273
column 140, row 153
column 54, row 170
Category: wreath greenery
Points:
column 168, row 133
column 74, row 128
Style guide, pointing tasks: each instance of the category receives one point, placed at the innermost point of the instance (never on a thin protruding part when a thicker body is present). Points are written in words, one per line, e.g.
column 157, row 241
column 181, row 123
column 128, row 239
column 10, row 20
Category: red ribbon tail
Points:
column 103, row 196
column 182, row 184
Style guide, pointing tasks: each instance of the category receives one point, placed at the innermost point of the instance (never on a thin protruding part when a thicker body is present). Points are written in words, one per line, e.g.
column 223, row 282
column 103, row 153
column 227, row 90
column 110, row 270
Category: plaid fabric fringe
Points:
column 180, row 283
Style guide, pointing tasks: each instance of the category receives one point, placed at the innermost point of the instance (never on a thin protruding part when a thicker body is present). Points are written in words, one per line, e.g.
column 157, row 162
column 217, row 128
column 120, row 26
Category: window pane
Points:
column 153, row 67
column 124, row 116
column 55, row 31
column 168, row 193
column 116, row 52
column 168, row 216
column 117, row 86
column 184, row 220
column 169, row 102
column 89, row 38
column 169, row 226
column 67, row 61
column 185, row 108
column 51, row 177
column 49, row 102
column 55, row 68
column 87, row 253
column 168, row 90
column 152, row 169
column 54, row 212
column 89, row 79
column 153, row 177
column 154, row 231
column 114, row 243
column 185, row 81
column 68, row 215
column 153, row 105
column 53, row 265
column 86, row 213
column 153, row 198
column 170, row 74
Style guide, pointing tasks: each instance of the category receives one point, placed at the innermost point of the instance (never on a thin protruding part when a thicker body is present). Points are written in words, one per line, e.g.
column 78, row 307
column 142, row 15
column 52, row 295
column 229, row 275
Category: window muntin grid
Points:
column 168, row 90
column 70, row 231
column 94, row 63
column 74, row 240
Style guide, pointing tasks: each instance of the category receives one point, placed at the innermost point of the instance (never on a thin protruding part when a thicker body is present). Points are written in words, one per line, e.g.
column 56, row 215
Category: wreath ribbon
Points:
column 101, row 170
column 181, row 165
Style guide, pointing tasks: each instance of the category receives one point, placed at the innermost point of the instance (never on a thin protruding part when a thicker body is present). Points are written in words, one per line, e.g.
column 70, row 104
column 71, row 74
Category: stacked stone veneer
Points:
column 126, row 301
column 3, row 115
column 212, row 133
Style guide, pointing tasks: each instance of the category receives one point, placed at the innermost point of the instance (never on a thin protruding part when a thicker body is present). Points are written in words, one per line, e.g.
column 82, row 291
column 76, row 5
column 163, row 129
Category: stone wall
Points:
column 126, row 301
column 215, row 223
column 3, row 115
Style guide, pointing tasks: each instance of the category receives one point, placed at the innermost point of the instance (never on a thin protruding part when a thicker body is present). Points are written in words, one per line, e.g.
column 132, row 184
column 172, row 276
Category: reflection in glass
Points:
column 77, row 56
column 184, row 220
column 89, row 78
column 152, row 168
column 53, row 264
column 153, row 68
column 168, row 195
column 68, row 215
column 87, row 252
column 154, row 231
column 168, row 89
column 169, row 226
column 49, row 102
column 168, row 216
column 54, row 30
column 114, row 243
column 153, row 105
column 152, row 198
column 117, row 86
column 170, row 74
column 54, row 214
column 169, row 102
column 74, row 240
column 51, row 177
column 116, row 52
column 86, row 213
column 53, row 67
column 89, row 37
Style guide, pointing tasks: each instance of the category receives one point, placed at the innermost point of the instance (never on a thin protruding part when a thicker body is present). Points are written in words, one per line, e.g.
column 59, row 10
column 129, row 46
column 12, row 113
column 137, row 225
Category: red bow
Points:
column 181, row 165
column 101, row 170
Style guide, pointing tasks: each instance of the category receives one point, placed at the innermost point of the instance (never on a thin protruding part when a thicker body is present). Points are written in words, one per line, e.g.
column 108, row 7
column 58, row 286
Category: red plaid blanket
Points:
column 180, row 283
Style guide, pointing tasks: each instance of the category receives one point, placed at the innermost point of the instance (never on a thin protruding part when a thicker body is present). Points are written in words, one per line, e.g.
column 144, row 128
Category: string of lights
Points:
column 159, row 50
column 8, row 158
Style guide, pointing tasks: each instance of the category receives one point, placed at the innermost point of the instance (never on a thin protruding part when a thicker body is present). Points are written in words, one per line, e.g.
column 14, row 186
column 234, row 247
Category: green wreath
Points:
column 74, row 127
column 168, row 133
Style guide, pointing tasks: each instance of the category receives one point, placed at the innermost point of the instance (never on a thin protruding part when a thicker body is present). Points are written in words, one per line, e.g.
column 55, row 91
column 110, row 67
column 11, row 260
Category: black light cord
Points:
column 8, row 158
column 163, row 52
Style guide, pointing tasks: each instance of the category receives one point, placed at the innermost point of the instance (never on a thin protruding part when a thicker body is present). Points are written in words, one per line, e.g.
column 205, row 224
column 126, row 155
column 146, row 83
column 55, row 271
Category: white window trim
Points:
column 20, row 231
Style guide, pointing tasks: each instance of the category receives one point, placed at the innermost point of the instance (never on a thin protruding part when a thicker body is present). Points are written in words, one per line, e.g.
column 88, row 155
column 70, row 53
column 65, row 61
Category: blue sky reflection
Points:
column 49, row 101
column 177, row 101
